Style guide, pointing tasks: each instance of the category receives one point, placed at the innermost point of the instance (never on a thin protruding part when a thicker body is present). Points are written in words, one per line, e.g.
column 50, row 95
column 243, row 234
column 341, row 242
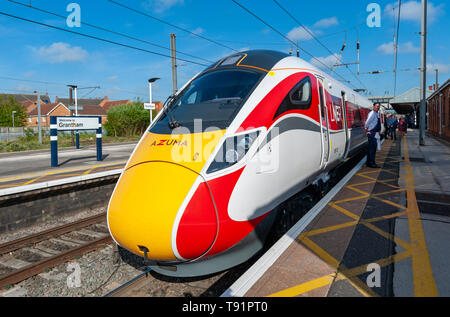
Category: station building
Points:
column 439, row 111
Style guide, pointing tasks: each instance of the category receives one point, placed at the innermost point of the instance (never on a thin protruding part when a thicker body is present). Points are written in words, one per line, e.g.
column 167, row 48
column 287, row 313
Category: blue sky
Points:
column 35, row 53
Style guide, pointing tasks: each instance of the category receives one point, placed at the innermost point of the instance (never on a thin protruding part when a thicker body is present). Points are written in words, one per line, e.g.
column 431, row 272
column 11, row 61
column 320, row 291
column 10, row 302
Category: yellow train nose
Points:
column 144, row 206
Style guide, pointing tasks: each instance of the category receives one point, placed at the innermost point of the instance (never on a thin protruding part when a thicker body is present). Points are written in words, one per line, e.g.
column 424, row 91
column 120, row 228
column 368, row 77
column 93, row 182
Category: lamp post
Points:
column 77, row 133
column 13, row 117
column 150, row 81
column 39, row 115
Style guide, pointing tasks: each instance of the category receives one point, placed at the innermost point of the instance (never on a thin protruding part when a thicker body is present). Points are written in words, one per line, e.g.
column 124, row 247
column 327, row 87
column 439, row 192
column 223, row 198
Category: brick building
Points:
column 47, row 110
column 439, row 111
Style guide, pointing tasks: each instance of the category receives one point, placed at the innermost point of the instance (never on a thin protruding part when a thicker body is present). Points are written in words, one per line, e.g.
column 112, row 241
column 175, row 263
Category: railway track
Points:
column 31, row 255
column 34, row 254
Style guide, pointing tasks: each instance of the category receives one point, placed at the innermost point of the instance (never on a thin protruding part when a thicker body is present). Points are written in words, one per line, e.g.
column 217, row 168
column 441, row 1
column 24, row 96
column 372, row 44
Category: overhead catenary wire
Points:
column 107, row 30
column 295, row 44
column 265, row 23
column 172, row 25
column 318, row 41
column 98, row 38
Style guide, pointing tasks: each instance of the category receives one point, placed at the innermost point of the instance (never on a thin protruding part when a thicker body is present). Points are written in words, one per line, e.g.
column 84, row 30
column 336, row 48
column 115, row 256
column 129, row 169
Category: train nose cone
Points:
column 143, row 209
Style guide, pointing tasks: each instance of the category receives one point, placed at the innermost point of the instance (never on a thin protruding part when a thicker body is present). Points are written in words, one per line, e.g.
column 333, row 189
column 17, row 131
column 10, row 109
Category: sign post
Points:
column 150, row 106
column 73, row 124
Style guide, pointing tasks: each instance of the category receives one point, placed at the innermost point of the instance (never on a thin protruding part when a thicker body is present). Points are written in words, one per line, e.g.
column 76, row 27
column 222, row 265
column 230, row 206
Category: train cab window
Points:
column 298, row 98
column 214, row 97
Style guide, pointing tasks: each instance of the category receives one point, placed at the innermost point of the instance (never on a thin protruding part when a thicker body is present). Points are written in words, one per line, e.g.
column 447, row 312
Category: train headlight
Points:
column 232, row 151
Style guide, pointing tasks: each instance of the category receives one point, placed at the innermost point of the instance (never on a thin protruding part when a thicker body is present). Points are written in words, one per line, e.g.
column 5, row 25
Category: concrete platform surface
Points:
column 386, row 233
column 24, row 168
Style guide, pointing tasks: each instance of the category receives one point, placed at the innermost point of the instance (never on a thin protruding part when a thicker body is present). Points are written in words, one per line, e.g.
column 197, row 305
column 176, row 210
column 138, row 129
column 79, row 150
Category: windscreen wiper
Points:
column 172, row 121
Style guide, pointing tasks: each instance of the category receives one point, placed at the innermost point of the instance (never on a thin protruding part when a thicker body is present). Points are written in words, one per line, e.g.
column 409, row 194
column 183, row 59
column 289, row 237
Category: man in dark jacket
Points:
column 392, row 124
column 372, row 128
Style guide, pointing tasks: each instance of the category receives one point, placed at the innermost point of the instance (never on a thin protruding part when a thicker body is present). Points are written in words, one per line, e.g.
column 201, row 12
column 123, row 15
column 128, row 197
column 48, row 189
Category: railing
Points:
column 11, row 134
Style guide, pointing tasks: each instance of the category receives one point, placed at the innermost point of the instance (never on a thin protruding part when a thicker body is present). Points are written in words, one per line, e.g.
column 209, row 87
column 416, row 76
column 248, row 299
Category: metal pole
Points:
column 39, row 117
column 440, row 113
column 423, row 72
column 174, row 63
column 357, row 54
column 437, row 83
column 150, row 100
column 76, row 115
column 13, row 118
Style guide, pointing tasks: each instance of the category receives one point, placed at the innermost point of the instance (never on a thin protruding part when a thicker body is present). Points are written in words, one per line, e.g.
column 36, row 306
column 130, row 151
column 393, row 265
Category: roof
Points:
column 440, row 89
column 21, row 98
column 408, row 101
column 411, row 96
column 256, row 59
column 81, row 102
column 46, row 108
column 92, row 111
column 110, row 104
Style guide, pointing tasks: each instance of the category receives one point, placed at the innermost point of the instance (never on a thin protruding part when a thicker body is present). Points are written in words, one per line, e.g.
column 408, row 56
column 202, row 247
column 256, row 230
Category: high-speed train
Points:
column 198, row 193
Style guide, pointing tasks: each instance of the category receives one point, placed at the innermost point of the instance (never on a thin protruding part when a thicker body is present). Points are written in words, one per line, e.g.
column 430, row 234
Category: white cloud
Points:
column 60, row 52
column 330, row 61
column 113, row 78
column 412, row 11
column 160, row 6
column 326, row 23
column 198, row 31
column 300, row 34
column 442, row 68
column 388, row 48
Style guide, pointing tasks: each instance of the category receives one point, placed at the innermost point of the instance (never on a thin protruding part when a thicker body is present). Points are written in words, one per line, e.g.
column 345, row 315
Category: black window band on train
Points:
column 298, row 97
column 214, row 97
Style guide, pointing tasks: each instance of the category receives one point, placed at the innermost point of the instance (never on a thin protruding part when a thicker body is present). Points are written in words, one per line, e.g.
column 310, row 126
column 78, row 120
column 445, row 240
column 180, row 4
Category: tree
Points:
column 127, row 120
column 8, row 104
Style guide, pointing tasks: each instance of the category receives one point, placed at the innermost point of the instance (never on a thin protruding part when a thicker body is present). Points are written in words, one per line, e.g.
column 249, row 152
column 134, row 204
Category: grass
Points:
column 31, row 142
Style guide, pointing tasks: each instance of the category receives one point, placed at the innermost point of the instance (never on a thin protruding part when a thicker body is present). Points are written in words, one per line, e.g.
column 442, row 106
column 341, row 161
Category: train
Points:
column 199, row 194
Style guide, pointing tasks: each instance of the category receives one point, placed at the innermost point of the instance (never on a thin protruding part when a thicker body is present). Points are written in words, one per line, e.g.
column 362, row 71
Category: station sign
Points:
column 73, row 108
column 76, row 123
column 149, row 106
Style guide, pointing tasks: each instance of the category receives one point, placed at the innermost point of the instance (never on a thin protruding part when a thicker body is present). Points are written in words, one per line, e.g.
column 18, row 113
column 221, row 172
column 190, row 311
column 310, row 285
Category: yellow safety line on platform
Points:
column 351, row 274
column 305, row 287
column 35, row 179
column 11, row 178
column 91, row 169
column 424, row 283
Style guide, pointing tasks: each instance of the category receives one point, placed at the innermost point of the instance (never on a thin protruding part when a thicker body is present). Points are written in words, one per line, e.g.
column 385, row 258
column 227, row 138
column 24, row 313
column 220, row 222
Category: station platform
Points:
column 385, row 232
column 33, row 167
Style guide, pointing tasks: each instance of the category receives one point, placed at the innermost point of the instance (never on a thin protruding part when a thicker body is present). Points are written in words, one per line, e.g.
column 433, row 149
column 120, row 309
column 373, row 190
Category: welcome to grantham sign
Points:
column 73, row 124
column 77, row 123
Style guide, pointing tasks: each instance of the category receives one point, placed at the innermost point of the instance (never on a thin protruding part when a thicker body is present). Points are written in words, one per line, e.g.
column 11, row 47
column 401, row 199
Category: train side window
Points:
column 298, row 98
column 322, row 103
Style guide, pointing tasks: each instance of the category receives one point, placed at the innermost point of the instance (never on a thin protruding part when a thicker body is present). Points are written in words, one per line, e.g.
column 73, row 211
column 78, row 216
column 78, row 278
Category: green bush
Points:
column 127, row 120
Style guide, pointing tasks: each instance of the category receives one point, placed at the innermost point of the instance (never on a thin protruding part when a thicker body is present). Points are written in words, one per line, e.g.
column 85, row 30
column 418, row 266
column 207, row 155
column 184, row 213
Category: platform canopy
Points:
column 408, row 101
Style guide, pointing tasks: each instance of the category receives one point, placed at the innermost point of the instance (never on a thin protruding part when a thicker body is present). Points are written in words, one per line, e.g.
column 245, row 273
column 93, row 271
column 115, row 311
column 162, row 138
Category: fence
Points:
column 11, row 134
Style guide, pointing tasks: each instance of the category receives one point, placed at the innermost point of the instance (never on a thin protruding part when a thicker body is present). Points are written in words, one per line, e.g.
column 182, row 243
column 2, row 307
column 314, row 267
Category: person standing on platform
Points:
column 402, row 127
column 393, row 123
column 372, row 130
column 387, row 131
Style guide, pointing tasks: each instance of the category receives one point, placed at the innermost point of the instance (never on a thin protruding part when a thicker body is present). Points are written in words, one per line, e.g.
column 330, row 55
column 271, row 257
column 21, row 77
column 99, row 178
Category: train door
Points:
column 345, row 120
column 324, row 124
